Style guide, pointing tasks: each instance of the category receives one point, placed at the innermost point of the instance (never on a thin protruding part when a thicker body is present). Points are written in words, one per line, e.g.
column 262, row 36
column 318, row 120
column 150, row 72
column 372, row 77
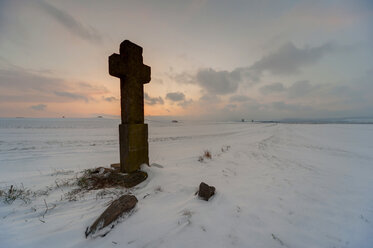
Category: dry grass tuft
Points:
column 9, row 195
column 206, row 155
column 158, row 189
column 225, row 148
column 100, row 178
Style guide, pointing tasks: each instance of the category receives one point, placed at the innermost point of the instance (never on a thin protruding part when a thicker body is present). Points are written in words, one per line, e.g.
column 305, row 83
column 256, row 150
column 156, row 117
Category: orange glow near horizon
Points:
column 155, row 111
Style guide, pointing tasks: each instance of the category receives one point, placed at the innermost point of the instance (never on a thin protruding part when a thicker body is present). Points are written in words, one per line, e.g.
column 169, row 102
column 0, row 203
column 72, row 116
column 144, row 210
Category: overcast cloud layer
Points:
column 223, row 60
column 69, row 22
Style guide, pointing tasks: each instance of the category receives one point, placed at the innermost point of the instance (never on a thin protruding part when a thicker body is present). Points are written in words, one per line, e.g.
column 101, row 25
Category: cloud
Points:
column 157, row 80
column 74, row 96
column 239, row 98
column 286, row 60
column 39, row 107
column 231, row 106
column 110, row 99
column 183, row 77
column 70, row 23
column 282, row 106
column 270, row 88
column 21, row 85
column 302, row 99
column 297, row 89
column 152, row 100
column 179, row 98
column 357, row 93
column 300, row 88
column 208, row 98
column 175, row 96
column 289, row 59
column 24, row 80
column 185, row 103
column 92, row 89
column 218, row 82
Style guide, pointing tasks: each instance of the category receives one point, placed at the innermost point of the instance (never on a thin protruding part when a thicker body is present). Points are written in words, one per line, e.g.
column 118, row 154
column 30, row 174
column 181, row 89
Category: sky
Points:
column 210, row 59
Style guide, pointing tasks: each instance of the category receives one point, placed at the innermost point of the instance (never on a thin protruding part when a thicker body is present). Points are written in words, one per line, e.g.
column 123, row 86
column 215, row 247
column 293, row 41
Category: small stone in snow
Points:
column 205, row 191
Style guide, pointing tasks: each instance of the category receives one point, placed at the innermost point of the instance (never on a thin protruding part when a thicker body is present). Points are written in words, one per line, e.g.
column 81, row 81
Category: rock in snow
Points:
column 205, row 191
column 117, row 208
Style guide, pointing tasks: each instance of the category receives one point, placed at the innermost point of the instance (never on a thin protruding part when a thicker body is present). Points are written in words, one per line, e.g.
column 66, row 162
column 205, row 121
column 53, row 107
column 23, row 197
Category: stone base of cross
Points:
column 133, row 133
column 133, row 146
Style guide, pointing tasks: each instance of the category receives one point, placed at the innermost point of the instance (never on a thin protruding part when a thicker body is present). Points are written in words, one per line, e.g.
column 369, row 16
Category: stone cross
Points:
column 133, row 133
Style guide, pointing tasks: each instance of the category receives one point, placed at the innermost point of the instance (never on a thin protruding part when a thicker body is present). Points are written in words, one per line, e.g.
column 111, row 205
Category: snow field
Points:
column 277, row 185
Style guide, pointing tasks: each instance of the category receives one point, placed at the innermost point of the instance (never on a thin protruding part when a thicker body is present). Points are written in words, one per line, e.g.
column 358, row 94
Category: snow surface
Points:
column 277, row 185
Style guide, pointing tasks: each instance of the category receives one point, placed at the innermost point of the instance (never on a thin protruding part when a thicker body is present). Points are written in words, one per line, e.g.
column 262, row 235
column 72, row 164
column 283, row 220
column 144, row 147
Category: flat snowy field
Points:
column 277, row 185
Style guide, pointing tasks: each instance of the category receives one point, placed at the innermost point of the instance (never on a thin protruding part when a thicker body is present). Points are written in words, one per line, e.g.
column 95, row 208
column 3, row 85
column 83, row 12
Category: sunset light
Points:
column 186, row 123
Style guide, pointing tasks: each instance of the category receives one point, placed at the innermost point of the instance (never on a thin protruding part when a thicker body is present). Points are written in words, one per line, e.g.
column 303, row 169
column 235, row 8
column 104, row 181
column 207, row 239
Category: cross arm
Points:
column 118, row 68
column 145, row 74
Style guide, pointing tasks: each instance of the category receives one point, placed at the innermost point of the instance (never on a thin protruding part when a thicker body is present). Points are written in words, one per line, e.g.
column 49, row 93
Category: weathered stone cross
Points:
column 133, row 133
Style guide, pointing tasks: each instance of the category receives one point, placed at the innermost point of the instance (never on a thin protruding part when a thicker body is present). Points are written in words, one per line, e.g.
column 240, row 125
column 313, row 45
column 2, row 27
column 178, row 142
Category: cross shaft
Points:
column 133, row 133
